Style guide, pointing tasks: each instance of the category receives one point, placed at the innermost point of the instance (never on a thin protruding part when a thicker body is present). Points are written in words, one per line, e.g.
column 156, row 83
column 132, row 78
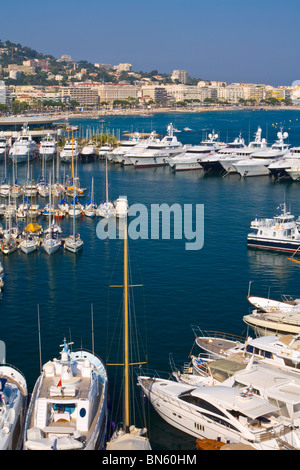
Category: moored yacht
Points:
column 218, row 412
column 69, row 151
column 89, row 150
column 68, row 407
column 158, row 153
column 212, row 162
column 279, row 233
column 48, row 148
column 190, row 159
column 124, row 147
column 280, row 168
column 126, row 157
column 24, row 148
column 258, row 163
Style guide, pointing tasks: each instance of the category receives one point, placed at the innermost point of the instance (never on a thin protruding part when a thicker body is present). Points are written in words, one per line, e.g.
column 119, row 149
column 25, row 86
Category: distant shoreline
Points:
column 150, row 112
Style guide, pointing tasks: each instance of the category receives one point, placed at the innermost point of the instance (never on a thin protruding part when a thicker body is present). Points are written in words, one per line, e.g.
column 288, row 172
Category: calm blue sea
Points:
column 207, row 287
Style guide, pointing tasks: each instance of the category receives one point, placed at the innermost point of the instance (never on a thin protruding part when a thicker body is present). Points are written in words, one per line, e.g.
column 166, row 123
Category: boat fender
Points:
column 214, row 382
column 282, row 226
column 277, row 227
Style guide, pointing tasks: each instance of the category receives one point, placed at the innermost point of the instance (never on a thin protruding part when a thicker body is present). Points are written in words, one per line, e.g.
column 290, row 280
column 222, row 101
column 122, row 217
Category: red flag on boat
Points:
column 59, row 384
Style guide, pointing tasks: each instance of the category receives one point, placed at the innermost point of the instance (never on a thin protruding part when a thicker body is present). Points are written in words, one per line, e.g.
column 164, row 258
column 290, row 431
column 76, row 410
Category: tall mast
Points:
column 126, row 334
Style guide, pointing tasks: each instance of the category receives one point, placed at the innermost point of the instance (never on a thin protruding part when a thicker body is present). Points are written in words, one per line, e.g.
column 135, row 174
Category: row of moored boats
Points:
column 255, row 159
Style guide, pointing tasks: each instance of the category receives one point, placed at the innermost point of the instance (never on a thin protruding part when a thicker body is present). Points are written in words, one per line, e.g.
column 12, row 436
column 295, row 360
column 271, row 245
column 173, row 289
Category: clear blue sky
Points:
column 229, row 40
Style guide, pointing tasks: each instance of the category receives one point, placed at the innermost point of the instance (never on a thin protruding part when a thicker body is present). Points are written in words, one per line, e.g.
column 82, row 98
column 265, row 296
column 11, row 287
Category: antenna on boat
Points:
column 39, row 333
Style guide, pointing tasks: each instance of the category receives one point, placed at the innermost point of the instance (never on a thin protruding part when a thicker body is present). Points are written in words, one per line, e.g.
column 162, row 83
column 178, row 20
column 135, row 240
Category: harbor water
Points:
column 206, row 287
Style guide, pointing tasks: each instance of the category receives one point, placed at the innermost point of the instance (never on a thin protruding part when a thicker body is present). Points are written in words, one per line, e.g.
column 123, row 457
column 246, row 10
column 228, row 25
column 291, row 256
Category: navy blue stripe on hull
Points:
column 273, row 245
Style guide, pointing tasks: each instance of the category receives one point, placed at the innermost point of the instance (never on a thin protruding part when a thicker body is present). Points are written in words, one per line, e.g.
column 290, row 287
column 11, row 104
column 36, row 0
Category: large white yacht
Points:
column 125, row 158
column 68, row 407
column 48, row 148
column 224, row 159
column 279, row 233
column 158, row 153
column 69, row 151
column 191, row 157
column 24, row 148
column 219, row 412
column 125, row 146
column 258, row 163
column 280, row 168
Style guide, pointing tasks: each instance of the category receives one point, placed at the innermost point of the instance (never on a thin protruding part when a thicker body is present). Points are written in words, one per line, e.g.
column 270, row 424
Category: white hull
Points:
column 51, row 246
column 28, row 246
column 73, row 246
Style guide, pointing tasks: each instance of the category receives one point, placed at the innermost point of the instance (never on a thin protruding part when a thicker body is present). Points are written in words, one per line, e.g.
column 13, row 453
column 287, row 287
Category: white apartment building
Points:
column 4, row 93
column 112, row 92
column 180, row 75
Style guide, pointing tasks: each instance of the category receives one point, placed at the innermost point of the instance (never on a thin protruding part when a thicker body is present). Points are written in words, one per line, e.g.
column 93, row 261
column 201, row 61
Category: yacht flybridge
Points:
column 68, row 407
column 279, row 233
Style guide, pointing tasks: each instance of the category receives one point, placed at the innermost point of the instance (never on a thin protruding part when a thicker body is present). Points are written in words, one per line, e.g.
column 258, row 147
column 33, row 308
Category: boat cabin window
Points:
column 220, row 421
column 199, row 402
column 259, row 352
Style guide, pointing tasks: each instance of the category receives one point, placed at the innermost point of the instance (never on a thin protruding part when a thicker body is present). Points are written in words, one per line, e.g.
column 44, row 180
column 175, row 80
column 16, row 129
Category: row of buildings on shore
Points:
column 93, row 93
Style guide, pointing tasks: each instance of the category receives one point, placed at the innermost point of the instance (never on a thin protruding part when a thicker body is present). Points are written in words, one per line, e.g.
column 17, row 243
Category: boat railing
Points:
column 217, row 334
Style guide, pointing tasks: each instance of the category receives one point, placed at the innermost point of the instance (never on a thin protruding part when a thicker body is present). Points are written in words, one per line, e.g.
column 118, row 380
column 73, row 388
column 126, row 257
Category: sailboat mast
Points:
column 126, row 334
column 106, row 181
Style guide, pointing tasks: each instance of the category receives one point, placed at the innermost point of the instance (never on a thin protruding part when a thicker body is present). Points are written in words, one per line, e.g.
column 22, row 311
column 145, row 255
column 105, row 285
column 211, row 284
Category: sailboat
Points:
column 74, row 243
column 9, row 244
column 29, row 243
column 128, row 437
column 52, row 241
column 106, row 209
column 90, row 208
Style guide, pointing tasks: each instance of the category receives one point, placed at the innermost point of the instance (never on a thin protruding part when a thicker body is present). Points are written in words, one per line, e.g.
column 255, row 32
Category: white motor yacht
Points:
column 89, row 150
column 4, row 146
column 126, row 157
column 219, row 412
column 158, row 153
column 124, row 147
column 259, row 162
column 69, row 151
column 48, row 148
column 68, row 406
column 281, row 233
column 190, row 159
column 224, row 160
column 280, row 168
column 13, row 404
column 24, row 148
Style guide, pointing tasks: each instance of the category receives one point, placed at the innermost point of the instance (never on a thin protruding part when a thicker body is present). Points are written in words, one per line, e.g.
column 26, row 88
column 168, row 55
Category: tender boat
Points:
column 68, row 406
column 13, row 404
column 280, row 233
